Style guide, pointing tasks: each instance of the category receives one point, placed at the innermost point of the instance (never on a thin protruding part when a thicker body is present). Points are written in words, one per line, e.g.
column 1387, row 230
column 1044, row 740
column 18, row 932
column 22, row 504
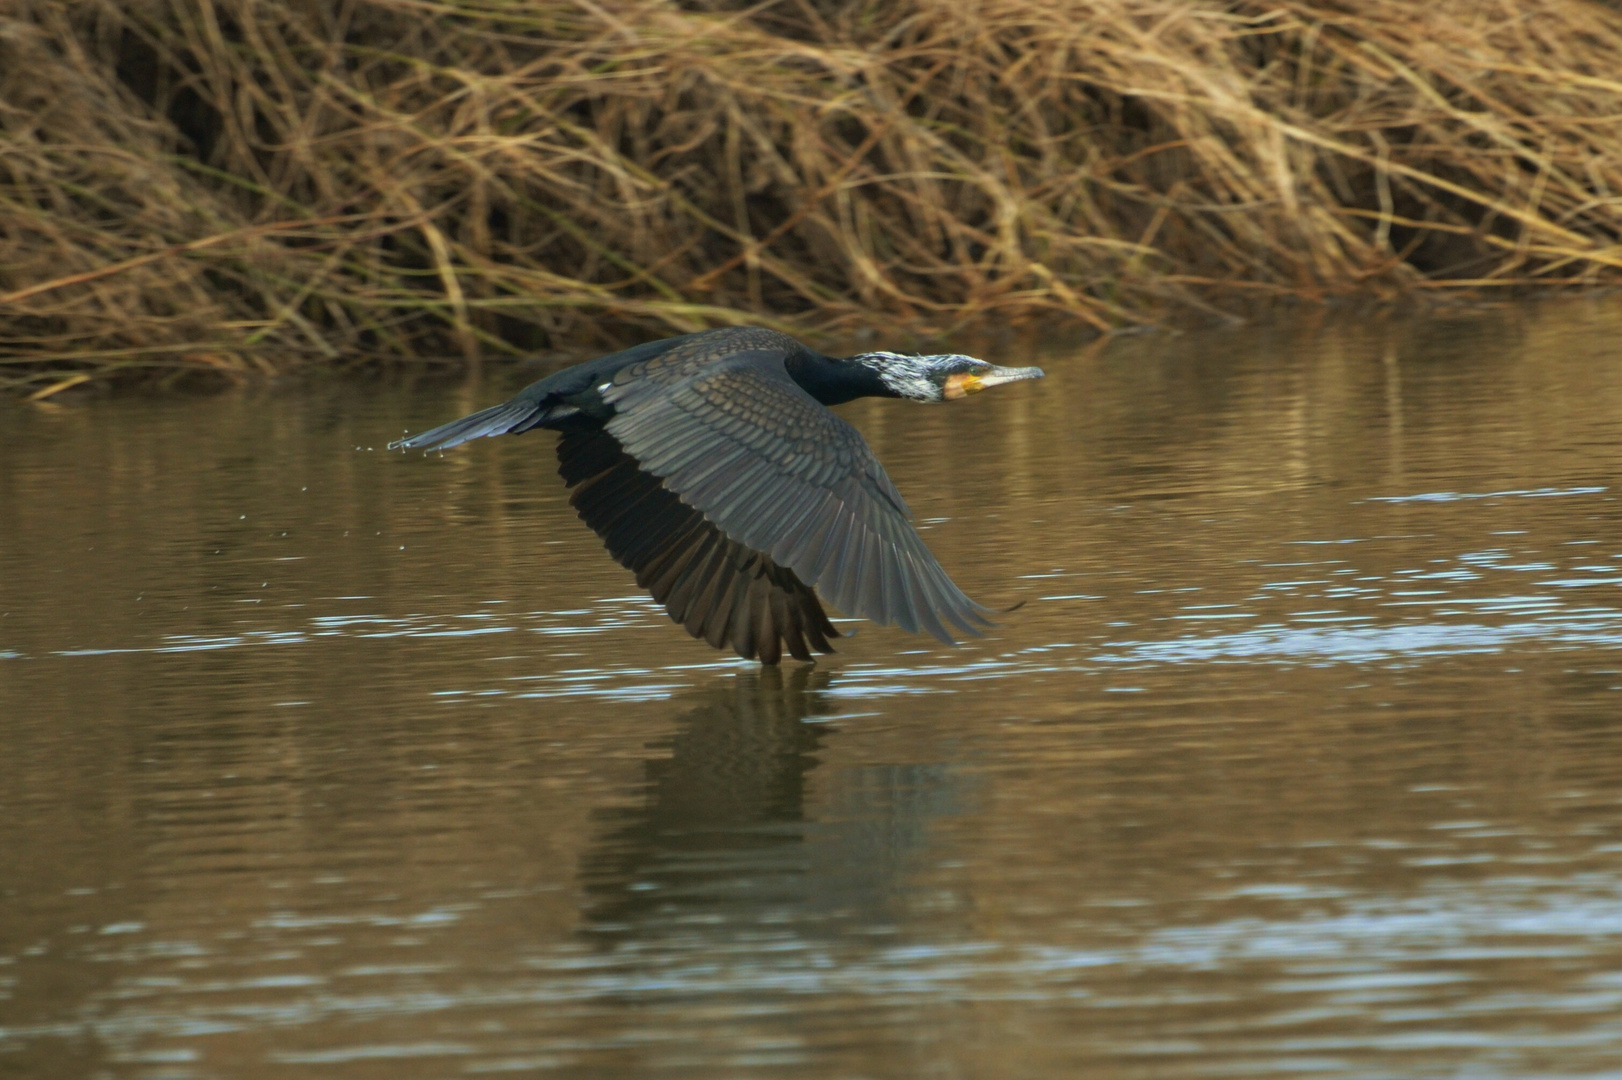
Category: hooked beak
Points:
column 958, row 386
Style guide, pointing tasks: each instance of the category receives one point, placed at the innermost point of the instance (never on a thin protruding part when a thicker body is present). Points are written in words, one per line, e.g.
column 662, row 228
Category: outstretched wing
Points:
column 715, row 587
column 736, row 438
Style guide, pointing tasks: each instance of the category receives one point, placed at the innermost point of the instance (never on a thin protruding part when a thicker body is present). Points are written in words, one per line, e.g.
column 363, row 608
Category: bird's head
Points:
column 940, row 378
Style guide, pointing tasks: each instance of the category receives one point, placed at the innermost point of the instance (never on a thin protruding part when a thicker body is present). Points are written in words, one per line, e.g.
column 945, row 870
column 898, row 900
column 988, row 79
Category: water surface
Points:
column 1302, row 758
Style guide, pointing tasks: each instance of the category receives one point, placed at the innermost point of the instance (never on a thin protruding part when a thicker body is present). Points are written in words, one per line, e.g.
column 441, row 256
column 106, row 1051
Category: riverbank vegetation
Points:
column 240, row 187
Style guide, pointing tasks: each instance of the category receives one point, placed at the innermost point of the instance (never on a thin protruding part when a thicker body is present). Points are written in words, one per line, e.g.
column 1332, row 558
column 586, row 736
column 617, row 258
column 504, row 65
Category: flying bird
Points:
column 712, row 469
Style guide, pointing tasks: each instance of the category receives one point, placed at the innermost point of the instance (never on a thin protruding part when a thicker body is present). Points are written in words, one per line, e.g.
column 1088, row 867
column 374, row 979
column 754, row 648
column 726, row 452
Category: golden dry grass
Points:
column 241, row 186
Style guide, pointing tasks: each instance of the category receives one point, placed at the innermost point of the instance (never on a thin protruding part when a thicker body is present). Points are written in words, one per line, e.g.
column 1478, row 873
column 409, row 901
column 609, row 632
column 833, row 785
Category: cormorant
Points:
column 711, row 469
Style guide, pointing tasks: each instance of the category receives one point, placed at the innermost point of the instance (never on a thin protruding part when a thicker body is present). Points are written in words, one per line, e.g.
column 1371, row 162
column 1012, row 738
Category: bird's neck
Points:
column 833, row 380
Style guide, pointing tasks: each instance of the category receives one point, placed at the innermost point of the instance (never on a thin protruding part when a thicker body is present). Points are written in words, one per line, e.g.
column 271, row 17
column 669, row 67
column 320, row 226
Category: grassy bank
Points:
column 238, row 186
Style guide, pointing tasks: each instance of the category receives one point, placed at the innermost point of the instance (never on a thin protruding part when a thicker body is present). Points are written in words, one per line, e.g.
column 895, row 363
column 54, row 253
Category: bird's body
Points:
column 711, row 469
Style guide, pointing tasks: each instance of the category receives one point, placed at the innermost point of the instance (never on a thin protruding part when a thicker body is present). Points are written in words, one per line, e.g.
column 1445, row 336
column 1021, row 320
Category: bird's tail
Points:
column 508, row 417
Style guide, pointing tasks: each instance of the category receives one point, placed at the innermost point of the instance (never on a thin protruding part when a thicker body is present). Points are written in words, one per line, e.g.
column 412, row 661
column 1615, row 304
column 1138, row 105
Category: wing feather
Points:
column 736, row 438
column 717, row 589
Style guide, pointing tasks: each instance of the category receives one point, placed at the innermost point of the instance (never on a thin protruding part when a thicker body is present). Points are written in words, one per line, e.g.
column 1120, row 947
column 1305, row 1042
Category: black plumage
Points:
column 711, row 468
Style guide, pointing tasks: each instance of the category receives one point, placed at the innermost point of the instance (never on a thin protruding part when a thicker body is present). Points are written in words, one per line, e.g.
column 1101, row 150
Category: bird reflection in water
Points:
column 723, row 840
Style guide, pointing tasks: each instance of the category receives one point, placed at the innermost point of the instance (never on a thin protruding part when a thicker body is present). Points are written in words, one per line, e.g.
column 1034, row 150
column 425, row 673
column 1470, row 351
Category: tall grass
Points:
column 241, row 185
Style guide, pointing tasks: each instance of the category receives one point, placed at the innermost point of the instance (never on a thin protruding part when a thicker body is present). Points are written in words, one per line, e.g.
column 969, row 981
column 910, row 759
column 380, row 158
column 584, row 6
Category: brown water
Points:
column 1303, row 758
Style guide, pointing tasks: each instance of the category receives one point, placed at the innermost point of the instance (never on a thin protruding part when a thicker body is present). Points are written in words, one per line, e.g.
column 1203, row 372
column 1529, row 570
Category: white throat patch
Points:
column 910, row 376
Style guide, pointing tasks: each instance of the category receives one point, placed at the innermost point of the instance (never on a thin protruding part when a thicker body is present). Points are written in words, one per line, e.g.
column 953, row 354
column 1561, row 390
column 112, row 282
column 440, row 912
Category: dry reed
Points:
column 238, row 186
